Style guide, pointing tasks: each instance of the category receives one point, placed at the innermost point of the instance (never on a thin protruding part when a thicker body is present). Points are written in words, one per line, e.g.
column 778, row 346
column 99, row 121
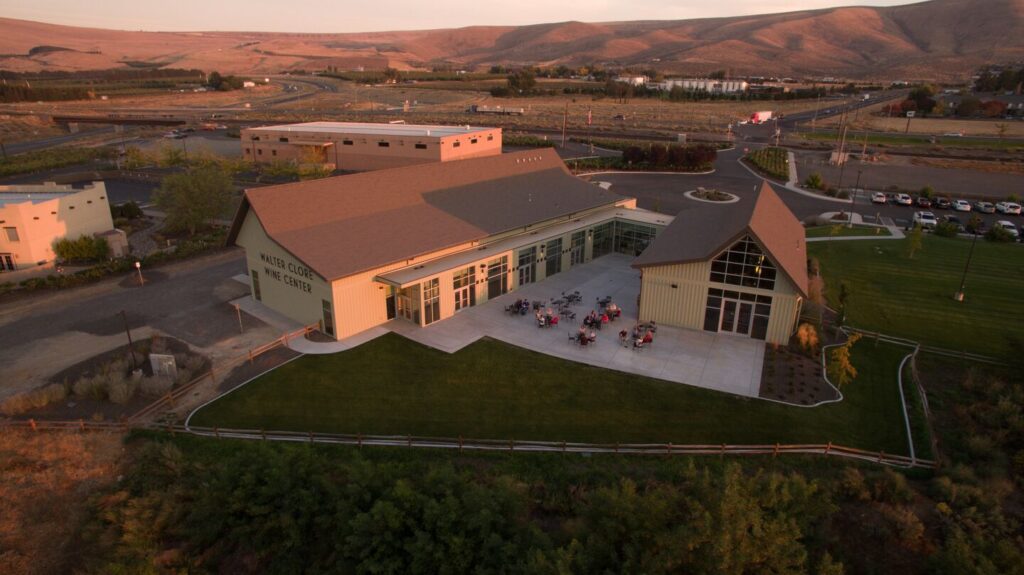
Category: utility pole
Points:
column 842, row 150
column 565, row 120
column 853, row 199
column 963, row 280
column 131, row 346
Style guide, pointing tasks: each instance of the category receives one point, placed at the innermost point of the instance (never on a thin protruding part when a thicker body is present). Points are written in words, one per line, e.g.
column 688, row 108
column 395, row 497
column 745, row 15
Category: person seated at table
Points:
column 583, row 330
column 604, row 318
column 611, row 308
column 592, row 337
column 648, row 338
column 583, row 340
column 622, row 336
column 553, row 320
column 636, row 332
column 540, row 321
column 638, row 343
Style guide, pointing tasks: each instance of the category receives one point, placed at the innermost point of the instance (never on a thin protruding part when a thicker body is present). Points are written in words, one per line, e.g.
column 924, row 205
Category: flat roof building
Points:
column 359, row 147
column 33, row 217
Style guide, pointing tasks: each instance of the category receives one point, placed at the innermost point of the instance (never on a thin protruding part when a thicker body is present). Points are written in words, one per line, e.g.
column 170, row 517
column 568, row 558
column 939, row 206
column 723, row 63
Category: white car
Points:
column 985, row 207
column 1008, row 208
column 961, row 205
column 878, row 198
column 925, row 219
column 1008, row 226
column 904, row 200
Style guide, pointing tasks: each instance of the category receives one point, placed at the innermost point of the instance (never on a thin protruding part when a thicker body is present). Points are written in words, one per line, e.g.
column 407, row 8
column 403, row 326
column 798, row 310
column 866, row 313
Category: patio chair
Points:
column 573, row 337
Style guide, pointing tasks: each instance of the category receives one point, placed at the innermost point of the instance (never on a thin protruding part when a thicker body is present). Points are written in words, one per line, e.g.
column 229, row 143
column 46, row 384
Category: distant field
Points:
column 912, row 140
column 936, row 126
column 913, row 298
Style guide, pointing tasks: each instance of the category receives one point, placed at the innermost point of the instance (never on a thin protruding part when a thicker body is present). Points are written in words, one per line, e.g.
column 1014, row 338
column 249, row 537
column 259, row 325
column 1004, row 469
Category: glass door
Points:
column 461, row 298
column 404, row 305
column 7, row 263
column 743, row 319
column 728, row 315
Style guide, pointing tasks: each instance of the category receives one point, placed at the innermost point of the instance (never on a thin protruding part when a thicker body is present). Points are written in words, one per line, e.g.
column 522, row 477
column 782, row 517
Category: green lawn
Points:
column 913, row 298
column 491, row 390
column 845, row 232
column 772, row 161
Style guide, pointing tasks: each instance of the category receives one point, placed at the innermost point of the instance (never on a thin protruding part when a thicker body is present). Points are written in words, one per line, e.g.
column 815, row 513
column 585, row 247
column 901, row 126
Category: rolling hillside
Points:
column 940, row 39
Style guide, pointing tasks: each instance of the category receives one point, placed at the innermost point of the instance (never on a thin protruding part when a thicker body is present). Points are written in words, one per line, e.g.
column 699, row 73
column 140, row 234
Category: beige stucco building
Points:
column 361, row 147
column 744, row 272
column 421, row 243
column 33, row 217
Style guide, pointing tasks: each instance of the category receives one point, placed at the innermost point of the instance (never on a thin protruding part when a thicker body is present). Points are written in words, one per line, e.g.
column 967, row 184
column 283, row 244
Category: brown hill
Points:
column 937, row 39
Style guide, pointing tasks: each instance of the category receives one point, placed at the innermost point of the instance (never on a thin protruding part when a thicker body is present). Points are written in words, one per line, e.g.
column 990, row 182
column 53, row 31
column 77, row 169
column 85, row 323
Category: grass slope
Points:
column 844, row 232
column 913, row 298
column 496, row 391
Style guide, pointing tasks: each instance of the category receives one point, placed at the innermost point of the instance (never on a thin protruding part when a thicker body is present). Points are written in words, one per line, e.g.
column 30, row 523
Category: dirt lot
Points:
column 931, row 126
column 46, row 480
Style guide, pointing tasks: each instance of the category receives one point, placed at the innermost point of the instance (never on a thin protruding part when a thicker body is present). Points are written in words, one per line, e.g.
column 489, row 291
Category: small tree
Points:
column 808, row 338
column 814, row 181
column 1001, row 129
column 927, row 192
column 998, row 234
column 840, row 369
column 195, row 197
column 914, row 241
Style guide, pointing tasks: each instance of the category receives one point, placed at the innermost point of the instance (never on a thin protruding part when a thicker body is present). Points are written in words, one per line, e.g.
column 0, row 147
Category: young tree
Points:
column 195, row 197
column 840, row 370
column 522, row 81
column 914, row 241
column 808, row 338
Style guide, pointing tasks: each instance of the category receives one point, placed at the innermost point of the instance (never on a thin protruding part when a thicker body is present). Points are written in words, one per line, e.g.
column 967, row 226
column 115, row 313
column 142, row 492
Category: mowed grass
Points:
column 492, row 390
column 911, row 140
column 913, row 298
column 843, row 231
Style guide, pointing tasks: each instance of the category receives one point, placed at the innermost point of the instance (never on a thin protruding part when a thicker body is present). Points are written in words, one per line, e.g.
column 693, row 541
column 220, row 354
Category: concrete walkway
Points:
column 714, row 361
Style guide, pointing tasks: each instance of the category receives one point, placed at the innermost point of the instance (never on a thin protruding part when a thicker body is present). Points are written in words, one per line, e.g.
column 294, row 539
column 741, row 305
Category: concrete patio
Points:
column 714, row 361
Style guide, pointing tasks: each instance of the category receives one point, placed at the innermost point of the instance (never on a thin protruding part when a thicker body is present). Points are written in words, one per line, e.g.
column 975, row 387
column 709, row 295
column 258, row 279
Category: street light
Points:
column 138, row 268
column 853, row 199
column 960, row 294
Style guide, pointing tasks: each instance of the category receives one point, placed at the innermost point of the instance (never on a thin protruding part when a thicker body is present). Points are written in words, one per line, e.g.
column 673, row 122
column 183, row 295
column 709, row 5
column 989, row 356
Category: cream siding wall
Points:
column 38, row 225
column 282, row 277
column 684, row 305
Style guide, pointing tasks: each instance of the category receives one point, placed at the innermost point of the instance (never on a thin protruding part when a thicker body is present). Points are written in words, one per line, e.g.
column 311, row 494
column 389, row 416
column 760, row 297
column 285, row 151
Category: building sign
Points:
column 295, row 277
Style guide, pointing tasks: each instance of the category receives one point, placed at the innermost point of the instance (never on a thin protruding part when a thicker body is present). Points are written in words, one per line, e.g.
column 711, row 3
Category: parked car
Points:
column 954, row 221
column 942, row 203
column 923, row 202
column 961, row 205
column 175, row 135
column 985, row 207
column 878, row 198
column 925, row 219
column 904, row 200
column 1008, row 208
column 1008, row 226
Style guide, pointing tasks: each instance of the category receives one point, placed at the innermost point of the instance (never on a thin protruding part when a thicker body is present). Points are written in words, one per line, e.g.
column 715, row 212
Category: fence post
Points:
column 216, row 433
column 81, row 424
column 828, row 448
column 32, row 423
column 723, row 449
column 775, row 452
column 616, row 447
column 409, row 439
column 170, row 399
column 669, row 452
column 881, row 455
column 359, row 439
column 563, row 446
column 310, row 433
column 511, row 444
column 460, row 444
column 263, row 433
column 250, row 357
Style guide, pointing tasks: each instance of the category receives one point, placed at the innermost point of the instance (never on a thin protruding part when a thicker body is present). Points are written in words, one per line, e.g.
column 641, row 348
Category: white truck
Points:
column 760, row 117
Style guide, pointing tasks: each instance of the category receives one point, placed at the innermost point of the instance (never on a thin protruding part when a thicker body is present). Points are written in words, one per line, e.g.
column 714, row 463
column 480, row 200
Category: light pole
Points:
column 138, row 268
column 131, row 346
column 960, row 294
column 853, row 198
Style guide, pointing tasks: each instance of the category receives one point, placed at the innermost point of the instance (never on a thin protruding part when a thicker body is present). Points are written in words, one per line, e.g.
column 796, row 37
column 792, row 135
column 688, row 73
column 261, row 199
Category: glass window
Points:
column 431, row 301
column 632, row 238
column 256, row 286
column 464, row 278
column 12, row 234
column 328, row 318
column 527, row 265
column 604, row 239
column 553, row 256
column 744, row 264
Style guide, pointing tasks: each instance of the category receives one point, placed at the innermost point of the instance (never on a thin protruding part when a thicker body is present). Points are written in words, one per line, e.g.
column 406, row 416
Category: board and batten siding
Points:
column 287, row 285
column 684, row 305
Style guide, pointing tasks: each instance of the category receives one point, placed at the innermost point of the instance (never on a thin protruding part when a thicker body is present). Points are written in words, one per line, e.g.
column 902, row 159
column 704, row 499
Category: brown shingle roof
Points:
column 693, row 236
column 348, row 224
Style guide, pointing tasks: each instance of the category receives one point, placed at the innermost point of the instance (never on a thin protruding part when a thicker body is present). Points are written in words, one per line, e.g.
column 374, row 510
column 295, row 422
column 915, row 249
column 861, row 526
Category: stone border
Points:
column 692, row 194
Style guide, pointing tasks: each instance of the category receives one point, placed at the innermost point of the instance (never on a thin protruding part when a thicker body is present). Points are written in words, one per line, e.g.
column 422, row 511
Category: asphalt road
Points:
column 187, row 301
column 41, row 144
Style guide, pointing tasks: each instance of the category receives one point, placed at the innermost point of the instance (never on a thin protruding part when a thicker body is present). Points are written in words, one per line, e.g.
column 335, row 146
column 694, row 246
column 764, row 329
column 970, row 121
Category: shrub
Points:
column 84, row 249
column 808, row 338
column 853, row 485
column 33, row 399
column 120, row 389
column 947, row 230
column 814, row 182
column 127, row 210
column 998, row 234
column 90, row 387
column 156, row 385
column 891, row 487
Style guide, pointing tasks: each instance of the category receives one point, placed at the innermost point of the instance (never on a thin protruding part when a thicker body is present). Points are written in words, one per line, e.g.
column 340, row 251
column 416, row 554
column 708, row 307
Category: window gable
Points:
column 744, row 264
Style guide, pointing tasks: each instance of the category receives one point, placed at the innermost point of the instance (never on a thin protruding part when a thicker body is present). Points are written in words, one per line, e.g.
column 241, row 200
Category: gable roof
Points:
column 349, row 224
column 693, row 236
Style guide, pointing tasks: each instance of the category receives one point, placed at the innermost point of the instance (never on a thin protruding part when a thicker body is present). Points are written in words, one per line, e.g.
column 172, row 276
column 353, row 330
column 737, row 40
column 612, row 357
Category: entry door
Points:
column 461, row 298
column 526, row 275
column 736, row 316
column 6, row 263
column 404, row 304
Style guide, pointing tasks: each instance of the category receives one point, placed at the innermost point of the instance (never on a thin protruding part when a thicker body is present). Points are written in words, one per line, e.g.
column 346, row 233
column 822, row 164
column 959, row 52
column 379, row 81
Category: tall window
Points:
column 527, row 265
column 553, row 257
column 328, row 318
column 632, row 238
column 12, row 234
column 577, row 248
column 431, row 301
column 256, row 286
column 744, row 264
column 497, row 277
column 604, row 239
column 462, row 284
